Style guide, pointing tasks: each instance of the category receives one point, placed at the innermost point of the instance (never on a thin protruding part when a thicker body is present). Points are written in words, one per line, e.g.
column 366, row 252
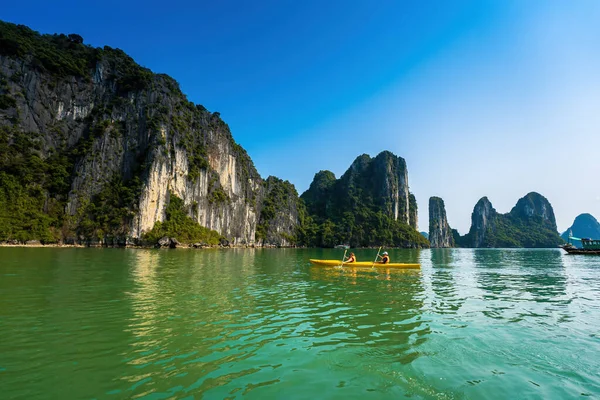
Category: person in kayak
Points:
column 385, row 259
column 350, row 259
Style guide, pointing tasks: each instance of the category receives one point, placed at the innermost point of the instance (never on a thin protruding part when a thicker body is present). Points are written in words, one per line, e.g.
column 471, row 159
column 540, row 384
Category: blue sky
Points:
column 482, row 98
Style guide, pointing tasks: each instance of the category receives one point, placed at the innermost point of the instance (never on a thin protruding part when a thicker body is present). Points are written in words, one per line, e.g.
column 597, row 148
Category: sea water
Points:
column 264, row 323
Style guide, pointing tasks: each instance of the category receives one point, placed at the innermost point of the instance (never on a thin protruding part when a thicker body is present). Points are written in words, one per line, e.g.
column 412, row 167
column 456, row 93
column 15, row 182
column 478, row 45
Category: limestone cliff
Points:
column 483, row 221
column 369, row 204
column 119, row 128
column 385, row 180
column 440, row 234
column 531, row 223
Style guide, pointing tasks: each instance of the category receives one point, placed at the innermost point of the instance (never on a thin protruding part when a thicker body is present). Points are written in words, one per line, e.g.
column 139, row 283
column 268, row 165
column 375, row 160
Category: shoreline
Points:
column 57, row 245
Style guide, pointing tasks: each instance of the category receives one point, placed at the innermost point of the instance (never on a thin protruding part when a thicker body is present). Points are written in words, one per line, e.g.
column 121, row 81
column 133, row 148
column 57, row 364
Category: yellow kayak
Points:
column 362, row 264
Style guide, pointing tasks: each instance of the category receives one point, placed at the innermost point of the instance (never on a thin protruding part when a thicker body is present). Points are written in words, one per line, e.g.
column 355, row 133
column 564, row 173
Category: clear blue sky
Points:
column 482, row 98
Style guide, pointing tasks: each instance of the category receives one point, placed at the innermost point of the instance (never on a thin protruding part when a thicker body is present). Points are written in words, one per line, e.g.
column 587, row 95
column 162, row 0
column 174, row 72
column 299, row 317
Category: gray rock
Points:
column 164, row 241
column 440, row 234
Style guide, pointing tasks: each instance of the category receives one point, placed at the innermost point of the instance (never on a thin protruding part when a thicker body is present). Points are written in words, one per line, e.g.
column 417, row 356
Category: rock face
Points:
column 534, row 205
column 114, row 121
column 483, row 221
column 584, row 226
column 440, row 234
column 531, row 223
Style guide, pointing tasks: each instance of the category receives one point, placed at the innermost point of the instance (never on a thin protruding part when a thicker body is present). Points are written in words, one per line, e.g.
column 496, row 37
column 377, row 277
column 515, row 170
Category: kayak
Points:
column 362, row 264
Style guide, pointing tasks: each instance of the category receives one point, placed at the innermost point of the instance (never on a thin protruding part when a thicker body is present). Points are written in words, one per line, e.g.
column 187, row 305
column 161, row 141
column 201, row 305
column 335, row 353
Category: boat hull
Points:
column 574, row 250
column 363, row 264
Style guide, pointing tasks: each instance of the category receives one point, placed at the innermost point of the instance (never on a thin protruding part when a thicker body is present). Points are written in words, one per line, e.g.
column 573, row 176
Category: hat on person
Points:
column 385, row 253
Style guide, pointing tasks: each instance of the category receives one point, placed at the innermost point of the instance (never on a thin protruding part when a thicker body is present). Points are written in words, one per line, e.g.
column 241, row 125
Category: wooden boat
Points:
column 590, row 247
column 362, row 264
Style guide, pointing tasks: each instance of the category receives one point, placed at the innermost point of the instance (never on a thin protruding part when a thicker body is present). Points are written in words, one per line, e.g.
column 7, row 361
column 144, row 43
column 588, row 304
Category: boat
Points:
column 362, row 264
column 589, row 246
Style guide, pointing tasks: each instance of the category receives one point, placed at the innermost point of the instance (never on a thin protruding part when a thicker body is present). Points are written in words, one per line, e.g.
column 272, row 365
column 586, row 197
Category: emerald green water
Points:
column 259, row 324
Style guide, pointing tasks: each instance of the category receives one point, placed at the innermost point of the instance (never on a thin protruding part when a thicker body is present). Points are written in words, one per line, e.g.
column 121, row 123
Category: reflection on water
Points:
column 389, row 302
column 443, row 281
column 538, row 275
column 263, row 323
column 520, row 286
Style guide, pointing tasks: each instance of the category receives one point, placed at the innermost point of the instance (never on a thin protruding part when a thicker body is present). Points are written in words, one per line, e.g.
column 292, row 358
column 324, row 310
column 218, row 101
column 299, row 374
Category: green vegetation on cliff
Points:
column 181, row 226
column 279, row 194
column 360, row 227
column 65, row 55
column 109, row 212
column 61, row 55
column 34, row 190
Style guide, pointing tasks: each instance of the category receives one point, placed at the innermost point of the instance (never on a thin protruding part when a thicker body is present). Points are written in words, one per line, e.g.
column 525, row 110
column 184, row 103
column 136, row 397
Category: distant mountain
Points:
column 531, row 223
column 425, row 235
column 369, row 205
column 584, row 226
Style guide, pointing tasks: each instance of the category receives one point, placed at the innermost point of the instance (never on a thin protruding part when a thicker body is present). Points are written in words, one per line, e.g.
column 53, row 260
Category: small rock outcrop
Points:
column 167, row 242
column 440, row 234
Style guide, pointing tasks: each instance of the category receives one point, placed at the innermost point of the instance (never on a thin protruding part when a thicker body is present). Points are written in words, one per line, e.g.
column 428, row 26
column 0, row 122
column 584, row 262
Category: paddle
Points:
column 376, row 257
column 344, row 257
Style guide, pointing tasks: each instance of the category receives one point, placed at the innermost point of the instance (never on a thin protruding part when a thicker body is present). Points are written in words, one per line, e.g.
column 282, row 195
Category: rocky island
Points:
column 440, row 234
column 530, row 223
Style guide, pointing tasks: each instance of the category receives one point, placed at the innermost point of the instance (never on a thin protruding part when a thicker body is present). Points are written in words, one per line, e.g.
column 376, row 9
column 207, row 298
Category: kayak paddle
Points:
column 343, row 258
column 376, row 257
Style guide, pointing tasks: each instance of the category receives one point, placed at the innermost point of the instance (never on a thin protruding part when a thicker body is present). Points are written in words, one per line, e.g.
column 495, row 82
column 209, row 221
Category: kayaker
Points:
column 350, row 259
column 385, row 259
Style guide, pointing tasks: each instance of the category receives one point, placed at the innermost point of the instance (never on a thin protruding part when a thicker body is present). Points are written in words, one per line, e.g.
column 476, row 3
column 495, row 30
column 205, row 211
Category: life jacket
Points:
column 351, row 259
column 385, row 259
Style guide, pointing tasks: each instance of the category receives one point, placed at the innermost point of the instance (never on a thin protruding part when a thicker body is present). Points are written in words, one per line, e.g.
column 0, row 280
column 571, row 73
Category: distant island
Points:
column 531, row 223
column 584, row 226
